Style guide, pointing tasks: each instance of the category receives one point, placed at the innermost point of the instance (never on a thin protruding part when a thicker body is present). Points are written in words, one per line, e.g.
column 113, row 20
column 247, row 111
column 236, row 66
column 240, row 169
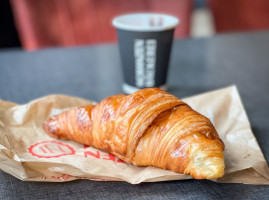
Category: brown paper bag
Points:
column 29, row 154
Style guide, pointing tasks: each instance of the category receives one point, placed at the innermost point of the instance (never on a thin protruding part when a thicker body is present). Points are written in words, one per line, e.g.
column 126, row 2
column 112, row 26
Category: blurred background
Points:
column 37, row 24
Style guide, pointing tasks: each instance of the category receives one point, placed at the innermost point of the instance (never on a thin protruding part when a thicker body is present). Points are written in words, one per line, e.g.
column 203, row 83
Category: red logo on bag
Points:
column 50, row 149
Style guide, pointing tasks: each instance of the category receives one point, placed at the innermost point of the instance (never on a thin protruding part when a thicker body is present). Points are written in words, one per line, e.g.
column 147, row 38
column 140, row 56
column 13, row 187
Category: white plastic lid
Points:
column 145, row 22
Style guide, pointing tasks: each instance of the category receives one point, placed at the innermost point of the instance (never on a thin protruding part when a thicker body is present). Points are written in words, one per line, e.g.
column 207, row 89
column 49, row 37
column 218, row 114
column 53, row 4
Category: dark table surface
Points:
column 94, row 72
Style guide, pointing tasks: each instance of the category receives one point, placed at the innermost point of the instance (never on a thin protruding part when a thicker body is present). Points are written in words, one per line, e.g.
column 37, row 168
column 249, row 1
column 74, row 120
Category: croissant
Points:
column 147, row 128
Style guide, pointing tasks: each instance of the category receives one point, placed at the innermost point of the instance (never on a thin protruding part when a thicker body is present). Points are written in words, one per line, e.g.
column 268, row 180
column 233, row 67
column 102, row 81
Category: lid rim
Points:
column 129, row 27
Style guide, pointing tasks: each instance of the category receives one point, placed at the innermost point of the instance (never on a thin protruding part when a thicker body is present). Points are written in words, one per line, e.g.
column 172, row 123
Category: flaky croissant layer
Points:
column 148, row 128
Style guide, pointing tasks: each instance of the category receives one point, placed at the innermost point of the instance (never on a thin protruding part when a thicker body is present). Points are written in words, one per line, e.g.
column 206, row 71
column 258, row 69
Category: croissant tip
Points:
column 203, row 166
column 45, row 126
column 48, row 128
column 211, row 172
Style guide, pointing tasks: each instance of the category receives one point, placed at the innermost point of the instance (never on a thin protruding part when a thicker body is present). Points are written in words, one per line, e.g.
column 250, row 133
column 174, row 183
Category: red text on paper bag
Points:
column 50, row 149
column 65, row 177
column 53, row 149
column 92, row 152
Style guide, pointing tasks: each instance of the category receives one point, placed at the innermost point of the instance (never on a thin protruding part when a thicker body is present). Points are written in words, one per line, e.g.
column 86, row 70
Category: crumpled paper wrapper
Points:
column 29, row 154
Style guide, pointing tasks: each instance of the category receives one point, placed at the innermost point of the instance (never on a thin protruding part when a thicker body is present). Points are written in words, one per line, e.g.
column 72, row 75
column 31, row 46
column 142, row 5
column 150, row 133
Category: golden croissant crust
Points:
column 148, row 128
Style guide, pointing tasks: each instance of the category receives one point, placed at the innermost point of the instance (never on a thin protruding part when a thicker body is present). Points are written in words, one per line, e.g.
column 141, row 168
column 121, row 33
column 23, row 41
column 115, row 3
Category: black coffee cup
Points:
column 145, row 41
